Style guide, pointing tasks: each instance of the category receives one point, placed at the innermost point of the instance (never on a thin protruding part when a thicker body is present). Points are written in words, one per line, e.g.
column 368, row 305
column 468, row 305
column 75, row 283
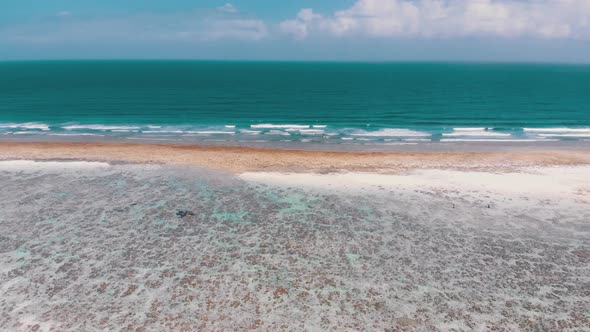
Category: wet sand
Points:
column 244, row 159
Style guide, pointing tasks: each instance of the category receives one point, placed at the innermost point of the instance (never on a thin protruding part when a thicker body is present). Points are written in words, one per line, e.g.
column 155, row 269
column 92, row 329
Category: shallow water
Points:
column 101, row 247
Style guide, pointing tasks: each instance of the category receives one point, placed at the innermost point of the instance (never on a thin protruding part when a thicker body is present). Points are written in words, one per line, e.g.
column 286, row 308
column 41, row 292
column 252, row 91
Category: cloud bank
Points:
column 547, row 19
column 379, row 30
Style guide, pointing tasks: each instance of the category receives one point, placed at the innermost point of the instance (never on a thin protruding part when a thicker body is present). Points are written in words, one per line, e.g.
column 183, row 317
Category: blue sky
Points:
column 372, row 30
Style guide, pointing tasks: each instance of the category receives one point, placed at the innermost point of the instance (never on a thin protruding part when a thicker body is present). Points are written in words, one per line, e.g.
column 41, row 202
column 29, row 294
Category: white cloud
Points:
column 449, row 18
column 241, row 29
column 183, row 27
column 228, row 8
column 299, row 27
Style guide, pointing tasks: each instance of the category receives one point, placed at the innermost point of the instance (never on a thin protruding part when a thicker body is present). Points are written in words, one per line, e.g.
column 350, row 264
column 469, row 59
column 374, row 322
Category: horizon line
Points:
column 296, row 61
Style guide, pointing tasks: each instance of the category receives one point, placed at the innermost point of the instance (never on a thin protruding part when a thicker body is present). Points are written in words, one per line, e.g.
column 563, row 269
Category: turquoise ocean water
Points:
column 332, row 103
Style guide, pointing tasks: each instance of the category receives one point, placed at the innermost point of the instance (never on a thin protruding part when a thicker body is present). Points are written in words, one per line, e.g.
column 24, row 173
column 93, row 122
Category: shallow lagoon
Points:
column 92, row 246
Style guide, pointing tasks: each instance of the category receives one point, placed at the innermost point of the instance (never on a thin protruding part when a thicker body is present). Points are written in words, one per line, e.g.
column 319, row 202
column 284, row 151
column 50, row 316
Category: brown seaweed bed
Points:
column 152, row 248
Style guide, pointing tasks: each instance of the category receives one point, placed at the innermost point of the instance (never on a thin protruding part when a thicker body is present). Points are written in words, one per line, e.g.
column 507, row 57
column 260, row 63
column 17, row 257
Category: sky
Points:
column 339, row 30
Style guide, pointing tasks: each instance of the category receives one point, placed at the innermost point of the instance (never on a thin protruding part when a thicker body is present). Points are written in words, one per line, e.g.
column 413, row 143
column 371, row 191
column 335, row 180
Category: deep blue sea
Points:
column 332, row 103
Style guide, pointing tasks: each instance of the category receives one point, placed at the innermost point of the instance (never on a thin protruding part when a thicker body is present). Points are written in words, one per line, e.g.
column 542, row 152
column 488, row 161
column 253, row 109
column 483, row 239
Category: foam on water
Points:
column 417, row 140
column 471, row 132
column 470, row 129
column 400, row 143
column 278, row 132
column 210, row 132
column 24, row 133
column 572, row 135
column 476, row 133
column 557, row 130
column 250, row 132
column 391, row 132
column 309, row 131
column 162, row 131
column 278, row 126
column 319, row 134
column 151, row 139
column 100, row 127
column 27, row 125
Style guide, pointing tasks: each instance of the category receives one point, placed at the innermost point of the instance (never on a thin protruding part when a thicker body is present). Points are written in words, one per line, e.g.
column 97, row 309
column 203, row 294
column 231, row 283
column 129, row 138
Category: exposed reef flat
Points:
column 470, row 245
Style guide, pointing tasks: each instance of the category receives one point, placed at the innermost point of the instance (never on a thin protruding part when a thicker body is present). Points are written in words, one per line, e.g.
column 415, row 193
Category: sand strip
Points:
column 241, row 159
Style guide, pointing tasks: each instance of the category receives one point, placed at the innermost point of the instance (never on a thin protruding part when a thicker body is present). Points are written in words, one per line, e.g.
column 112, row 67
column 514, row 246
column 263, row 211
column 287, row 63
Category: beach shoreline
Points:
column 250, row 159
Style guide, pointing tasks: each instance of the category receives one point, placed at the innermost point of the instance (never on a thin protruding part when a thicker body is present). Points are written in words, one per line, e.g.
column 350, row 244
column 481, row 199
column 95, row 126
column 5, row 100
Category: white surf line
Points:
column 26, row 125
column 477, row 133
column 392, row 132
column 100, row 127
column 278, row 126
column 557, row 130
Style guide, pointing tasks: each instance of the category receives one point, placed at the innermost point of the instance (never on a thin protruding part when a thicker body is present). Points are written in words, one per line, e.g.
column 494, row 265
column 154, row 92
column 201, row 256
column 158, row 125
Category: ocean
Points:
column 306, row 102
